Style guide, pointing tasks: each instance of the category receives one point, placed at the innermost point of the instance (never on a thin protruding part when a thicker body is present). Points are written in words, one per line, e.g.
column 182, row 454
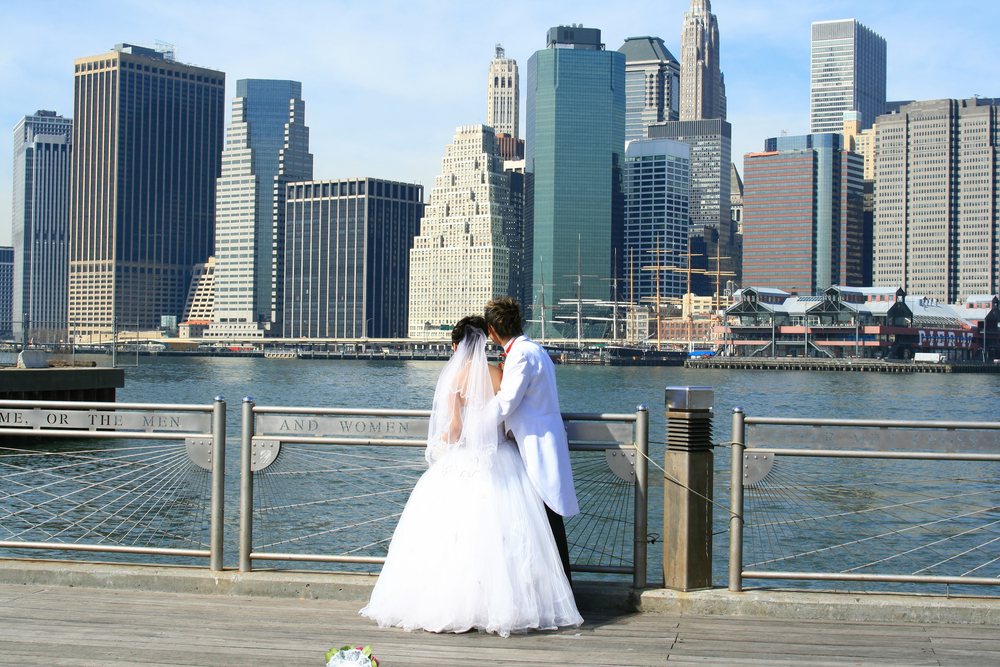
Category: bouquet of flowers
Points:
column 353, row 656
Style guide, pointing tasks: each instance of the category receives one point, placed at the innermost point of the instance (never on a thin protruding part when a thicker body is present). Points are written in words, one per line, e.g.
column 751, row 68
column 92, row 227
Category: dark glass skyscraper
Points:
column 575, row 137
column 147, row 146
column 347, row 257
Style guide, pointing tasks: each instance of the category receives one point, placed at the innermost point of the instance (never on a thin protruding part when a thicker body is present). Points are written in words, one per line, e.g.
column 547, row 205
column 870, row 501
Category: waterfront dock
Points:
column 52, row 625
column 837, row 365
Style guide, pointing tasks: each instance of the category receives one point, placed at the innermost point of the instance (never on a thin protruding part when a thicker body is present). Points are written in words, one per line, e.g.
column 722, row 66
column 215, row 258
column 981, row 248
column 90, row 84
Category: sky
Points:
column 386, row 83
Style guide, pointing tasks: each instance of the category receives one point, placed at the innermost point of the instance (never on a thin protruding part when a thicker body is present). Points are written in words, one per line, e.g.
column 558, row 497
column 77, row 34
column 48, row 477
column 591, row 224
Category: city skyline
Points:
column 441, row 78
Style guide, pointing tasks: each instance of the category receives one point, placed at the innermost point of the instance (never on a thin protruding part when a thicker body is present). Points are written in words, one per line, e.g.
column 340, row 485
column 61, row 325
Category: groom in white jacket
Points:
column 528, row 404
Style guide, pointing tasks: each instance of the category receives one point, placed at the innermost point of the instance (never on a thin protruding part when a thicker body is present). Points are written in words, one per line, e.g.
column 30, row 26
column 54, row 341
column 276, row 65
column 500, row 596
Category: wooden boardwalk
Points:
column 97, row 628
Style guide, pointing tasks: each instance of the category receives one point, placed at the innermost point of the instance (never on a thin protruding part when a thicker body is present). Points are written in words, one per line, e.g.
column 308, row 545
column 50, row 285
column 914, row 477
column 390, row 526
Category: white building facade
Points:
column 42, row 164
column 460, row 259
column 268, row 125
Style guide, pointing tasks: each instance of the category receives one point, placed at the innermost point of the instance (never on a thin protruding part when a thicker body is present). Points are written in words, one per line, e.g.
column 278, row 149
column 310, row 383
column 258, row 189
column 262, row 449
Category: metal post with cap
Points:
column 687, row 489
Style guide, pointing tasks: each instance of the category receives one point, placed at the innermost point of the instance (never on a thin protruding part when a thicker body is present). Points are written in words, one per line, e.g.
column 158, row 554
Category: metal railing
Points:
column 863, row 500
column 328, row 485
column 136, row 488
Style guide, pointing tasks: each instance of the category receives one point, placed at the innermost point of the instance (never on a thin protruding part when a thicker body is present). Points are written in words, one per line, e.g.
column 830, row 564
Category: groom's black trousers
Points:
column 559, row 532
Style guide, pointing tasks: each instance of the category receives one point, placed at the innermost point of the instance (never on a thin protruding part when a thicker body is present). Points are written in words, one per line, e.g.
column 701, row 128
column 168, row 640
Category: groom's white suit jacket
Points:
column 528, row 403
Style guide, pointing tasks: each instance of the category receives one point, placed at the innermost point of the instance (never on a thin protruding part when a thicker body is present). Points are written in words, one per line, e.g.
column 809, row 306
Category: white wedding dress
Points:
column 473, row 548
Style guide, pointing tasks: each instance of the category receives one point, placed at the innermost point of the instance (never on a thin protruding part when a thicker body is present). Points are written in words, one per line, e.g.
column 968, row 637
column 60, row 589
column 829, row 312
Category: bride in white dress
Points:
column 473, row 547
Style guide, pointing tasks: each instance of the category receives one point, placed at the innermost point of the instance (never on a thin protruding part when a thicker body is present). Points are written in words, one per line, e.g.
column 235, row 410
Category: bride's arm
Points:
column 496, row 375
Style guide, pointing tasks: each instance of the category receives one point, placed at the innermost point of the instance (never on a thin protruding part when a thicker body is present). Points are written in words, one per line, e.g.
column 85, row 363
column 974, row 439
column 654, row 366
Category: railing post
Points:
column 218, row 483
column 641, row 496
column 687, row 512
column 736, row 503
column 246, row 485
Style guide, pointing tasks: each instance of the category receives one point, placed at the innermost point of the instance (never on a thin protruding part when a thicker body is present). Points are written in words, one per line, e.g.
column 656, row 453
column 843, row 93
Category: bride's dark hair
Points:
column 463, row 325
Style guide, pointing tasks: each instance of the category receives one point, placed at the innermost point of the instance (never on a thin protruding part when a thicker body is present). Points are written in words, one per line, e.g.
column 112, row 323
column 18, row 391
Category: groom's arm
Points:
column 512, row 388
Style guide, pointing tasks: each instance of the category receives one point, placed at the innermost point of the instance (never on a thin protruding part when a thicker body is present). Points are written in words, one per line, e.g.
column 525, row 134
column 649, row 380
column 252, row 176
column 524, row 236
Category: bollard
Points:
column 246, row 484
column 218, row 507
column 687, row 515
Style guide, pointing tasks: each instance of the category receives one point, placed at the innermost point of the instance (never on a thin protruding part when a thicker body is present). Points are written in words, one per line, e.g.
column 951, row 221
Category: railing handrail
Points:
column 216, row 434
column 739, row 448
column 640, row 443
column 98, row 405
column 870, row 423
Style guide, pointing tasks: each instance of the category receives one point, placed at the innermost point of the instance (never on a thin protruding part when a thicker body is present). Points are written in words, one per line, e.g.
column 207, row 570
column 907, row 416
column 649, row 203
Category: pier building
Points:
column 267, row 146
column 347, row 257
column 937, row 225
column 574, row 145
column 42, row 161
column 862, row 322
column 461, row 259
column 148, row 135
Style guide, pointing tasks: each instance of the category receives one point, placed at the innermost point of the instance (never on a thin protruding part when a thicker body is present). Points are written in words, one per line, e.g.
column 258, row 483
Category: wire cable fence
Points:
column 874, row 506
column 132, row 479
column 327, row 486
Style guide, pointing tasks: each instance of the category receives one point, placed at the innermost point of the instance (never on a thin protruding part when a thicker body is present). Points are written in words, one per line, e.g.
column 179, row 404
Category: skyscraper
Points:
column 268, row 119
column 937, row 223
column 347, row 257
column 461, row 260
column 657, row 173
column 7, row 324
column 652, row 83
column 503, row 96
column 41, row 224
column 802, row 224
column 847, row 74
column 575, row 120
column 712, row 231
column 147, row 147
column 703, row 87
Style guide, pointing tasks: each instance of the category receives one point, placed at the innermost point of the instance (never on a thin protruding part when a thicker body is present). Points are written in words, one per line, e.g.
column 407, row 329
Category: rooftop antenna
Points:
column 500, row 52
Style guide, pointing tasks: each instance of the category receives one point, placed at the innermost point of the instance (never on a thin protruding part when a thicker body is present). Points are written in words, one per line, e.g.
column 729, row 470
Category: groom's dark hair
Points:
column 504, row 315
column 463, row 325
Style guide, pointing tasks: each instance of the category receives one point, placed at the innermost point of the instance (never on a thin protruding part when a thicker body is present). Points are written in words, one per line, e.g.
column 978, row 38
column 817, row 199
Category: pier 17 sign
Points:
column 948, row 338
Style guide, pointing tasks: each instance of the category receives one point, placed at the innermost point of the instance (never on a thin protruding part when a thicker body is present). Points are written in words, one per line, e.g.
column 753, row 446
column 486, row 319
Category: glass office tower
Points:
column 575, row 123
column 268, row 117
column 847, row 74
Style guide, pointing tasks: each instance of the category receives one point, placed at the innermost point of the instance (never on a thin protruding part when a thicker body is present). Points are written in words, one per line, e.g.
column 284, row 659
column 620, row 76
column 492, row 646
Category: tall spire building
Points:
column 502, row 95
column 267, row 146
column 703, row 88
